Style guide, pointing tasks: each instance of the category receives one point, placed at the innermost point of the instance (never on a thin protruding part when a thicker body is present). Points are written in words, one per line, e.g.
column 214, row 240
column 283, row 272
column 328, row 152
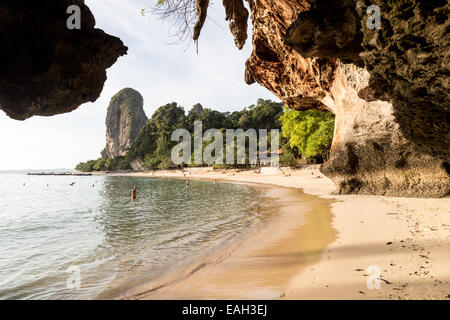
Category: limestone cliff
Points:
column 124, row 120
column 391, row 98
column 45, row 68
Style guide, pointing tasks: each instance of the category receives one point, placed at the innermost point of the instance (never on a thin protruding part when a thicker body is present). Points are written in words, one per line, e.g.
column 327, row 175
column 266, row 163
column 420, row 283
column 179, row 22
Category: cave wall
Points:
column 387, row 87
column 409, row 63
column 45, row 68
column 370, row 154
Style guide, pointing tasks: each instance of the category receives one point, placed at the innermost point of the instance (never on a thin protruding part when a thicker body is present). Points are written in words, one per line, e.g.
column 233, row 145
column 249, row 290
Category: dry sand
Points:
column 406, row 239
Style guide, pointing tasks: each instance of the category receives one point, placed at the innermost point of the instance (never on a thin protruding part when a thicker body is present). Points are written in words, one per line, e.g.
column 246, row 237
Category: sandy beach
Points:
column 323, row 246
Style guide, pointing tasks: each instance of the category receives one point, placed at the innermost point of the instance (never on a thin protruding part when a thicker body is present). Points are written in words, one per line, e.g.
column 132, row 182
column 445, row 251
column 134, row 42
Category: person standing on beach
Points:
column 133, row 193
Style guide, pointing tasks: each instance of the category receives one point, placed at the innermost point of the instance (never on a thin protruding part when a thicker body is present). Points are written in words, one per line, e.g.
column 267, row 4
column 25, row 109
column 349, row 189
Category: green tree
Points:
column 169, row 117
column 310, row 132
column 266, row 114
column 193, row 115
column 100, row 165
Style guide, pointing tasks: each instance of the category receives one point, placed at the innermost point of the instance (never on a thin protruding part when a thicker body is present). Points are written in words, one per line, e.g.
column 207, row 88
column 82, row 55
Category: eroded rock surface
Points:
column 299, row 82
column 124, row 120
column 370, row 153
column 45, row 68
column 327, row 30
column 408, row 58
column 391, row 99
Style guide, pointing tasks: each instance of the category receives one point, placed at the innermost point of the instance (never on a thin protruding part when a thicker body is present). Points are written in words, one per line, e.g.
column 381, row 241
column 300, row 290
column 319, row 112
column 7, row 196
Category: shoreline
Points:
column 239, row 269
column 406, row 239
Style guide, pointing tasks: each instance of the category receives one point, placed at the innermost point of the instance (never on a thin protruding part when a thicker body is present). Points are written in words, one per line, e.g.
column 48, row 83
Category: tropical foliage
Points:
column 153, row 144
column 304, row 133
column 309, row 133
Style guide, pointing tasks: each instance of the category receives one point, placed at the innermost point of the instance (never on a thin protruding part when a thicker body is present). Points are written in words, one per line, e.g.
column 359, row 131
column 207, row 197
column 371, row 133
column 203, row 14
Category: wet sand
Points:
column 406, row 239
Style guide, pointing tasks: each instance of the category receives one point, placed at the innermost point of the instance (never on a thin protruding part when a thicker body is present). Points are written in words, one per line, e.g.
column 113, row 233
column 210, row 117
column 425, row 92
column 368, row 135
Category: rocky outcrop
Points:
column 47, row 69
column 408, row 58
column 237, row 14
column 390, row 99
column 327, row 30
column 299, row 82
column 124, row 120
column 370, row 154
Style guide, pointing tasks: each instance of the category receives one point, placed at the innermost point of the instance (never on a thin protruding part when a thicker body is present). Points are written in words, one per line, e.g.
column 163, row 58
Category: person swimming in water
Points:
column 187, row 183
column 133, row 193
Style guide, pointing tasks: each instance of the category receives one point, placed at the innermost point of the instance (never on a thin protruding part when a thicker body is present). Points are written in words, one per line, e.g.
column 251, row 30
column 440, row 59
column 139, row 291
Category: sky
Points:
column 161, row 70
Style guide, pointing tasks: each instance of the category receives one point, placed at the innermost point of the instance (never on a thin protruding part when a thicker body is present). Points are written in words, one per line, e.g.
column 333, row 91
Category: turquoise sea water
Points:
column 53, row 235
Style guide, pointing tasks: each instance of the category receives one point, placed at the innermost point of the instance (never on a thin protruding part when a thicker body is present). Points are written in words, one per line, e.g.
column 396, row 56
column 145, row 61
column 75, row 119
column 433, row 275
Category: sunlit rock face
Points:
column 47, row 69
column 387, row 87
column 299, row 82
column 124, row 120
column 370, row 153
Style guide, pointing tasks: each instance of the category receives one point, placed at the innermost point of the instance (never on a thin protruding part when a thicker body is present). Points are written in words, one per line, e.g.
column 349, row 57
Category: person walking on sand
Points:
column 133, row 193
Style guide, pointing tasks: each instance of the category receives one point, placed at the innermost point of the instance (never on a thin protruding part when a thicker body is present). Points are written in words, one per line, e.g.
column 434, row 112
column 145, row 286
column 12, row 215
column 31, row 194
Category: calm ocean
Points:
column 53, row 234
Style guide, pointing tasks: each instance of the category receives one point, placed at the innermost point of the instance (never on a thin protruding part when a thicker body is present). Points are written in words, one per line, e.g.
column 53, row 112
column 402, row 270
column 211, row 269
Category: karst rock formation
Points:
column 124, row 120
